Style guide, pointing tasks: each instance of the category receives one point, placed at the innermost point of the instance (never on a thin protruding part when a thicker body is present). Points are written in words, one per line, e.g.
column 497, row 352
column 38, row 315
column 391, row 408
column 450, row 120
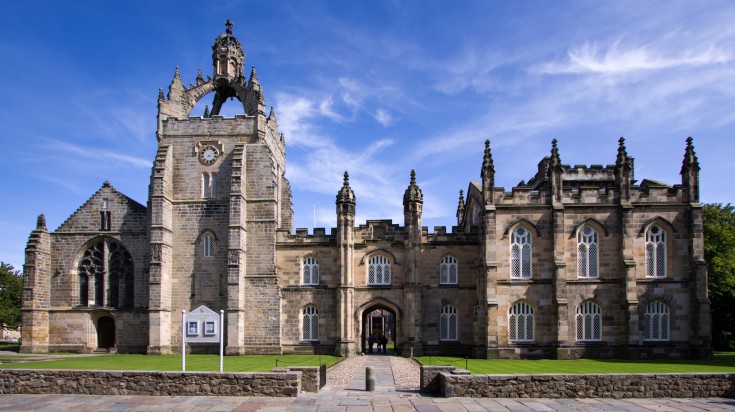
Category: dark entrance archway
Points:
column 105, row 332
column 377, row 320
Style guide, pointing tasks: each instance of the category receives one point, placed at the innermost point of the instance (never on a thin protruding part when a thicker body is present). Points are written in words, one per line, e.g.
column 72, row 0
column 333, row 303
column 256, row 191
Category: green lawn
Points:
column 199, row 363
column 722, row 362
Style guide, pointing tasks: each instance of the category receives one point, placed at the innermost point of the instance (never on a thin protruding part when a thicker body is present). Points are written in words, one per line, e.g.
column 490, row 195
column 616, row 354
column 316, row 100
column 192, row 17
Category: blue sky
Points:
column 374, row 87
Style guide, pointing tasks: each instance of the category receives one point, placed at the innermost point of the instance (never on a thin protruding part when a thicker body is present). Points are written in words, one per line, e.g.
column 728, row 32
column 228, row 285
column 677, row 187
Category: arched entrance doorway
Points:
column 377, row 319
column 105, row 332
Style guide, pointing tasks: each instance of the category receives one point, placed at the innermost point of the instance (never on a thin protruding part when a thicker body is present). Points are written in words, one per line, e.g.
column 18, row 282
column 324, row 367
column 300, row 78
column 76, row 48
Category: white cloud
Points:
column 383, row 117
column 98, row 155
column 591, row 58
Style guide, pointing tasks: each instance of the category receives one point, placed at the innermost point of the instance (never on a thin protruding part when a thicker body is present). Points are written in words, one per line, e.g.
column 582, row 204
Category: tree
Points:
column 719, row 251
column 11, row 285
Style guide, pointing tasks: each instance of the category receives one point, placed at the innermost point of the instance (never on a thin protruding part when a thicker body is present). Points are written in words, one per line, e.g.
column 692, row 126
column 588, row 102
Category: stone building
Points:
column 580, row 261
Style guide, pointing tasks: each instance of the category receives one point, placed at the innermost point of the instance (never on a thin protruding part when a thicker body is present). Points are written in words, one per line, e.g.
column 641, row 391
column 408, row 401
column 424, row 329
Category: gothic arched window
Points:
column 448, row 271
column 589, row 321
column 310, row 324
column 587, row 253
column 520, row 254
column 107, row 267
column 448, row 323
column 655, row 252
column 378, row 270
column 310, row 271
column 520, row 322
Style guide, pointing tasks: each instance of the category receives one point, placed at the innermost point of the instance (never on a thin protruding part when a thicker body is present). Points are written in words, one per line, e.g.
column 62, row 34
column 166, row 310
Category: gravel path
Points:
column 341, row 374
column 406, row 372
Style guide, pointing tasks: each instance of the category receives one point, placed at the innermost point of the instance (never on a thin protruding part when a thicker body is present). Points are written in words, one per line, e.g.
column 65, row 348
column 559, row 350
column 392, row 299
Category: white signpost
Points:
column 202, row 325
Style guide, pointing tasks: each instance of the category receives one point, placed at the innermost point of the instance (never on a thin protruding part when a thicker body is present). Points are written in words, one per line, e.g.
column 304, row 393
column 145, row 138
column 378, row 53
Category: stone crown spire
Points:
column 345, row 194
column 227, row 56
column 413, row 192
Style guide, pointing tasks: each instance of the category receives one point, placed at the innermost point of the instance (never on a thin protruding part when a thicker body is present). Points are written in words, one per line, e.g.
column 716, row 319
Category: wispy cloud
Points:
column 383, row 117
column 98, row 155
column 617, row 58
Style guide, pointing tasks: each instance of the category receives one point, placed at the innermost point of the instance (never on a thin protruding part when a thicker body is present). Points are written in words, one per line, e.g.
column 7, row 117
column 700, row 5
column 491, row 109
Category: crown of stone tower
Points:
column 227, row 57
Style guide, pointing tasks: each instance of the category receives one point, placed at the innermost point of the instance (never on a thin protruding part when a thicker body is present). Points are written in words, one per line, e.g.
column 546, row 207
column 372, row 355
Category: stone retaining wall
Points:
column 313, row 378
column 17, row 381
column 690, row 385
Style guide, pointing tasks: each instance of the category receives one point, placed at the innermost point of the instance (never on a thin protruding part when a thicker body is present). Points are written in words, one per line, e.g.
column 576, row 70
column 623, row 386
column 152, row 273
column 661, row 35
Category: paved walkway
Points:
column 352, row 397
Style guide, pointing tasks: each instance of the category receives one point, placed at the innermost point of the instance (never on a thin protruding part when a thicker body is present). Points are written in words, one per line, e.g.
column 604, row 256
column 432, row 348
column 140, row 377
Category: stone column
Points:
column 159, row 279
column 346, row 289
column 413, row 200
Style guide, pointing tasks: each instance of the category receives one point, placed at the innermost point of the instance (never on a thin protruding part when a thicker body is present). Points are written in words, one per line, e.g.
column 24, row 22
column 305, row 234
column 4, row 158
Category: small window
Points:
column 209, row 185
column 655, row 252
column 448, row 271
column 589, row 322
column 208, row 245
column 520, row 322
column 310, row 324
column 448, row 323
column 656, row 322
column 310, row 271
column 379, row 270
column 520, row 252
column 587, row 253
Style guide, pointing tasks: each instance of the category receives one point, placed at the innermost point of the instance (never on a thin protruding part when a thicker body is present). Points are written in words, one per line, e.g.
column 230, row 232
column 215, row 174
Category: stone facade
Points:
column 580, row 261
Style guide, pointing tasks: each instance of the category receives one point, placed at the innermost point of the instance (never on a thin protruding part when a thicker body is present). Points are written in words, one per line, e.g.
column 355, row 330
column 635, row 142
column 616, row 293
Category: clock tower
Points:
column 217, row 198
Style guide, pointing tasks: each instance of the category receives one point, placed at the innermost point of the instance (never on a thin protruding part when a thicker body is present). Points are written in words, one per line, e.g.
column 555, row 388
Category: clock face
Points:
column 208, row 154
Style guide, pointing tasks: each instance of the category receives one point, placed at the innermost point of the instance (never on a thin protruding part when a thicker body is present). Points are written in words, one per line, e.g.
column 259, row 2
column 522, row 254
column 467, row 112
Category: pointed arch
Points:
column 380, row 250
column 524, row 222
column 660, row 221
column 599, row 226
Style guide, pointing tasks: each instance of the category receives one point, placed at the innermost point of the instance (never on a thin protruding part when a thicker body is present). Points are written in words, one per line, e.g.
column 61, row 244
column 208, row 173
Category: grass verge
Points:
column 194, row 363
column 722, row 362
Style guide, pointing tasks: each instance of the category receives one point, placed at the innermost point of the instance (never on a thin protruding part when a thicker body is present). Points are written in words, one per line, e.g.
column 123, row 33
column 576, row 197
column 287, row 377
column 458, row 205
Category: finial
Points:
column 206, row 110
column 160, row 93
column 177, row 73
column 555, row 160
column 461, row 198
column 690, row 157
column 345, row 194
column 106, row 183
column 622, row 153
column 229, row 25
column 41, row 222
column 413, row 192
column 272, row 114
column 200, row 78
column 487, row 160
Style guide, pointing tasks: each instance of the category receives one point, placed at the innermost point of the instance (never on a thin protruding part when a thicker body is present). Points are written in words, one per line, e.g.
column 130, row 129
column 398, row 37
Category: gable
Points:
column 125, row 213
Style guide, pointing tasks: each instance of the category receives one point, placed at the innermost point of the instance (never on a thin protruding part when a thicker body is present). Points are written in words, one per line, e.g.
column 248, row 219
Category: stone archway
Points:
column 377, row 318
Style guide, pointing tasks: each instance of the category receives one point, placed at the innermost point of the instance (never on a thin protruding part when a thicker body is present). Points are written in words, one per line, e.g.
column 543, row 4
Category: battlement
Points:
column 241, row 124
column 378, row 230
